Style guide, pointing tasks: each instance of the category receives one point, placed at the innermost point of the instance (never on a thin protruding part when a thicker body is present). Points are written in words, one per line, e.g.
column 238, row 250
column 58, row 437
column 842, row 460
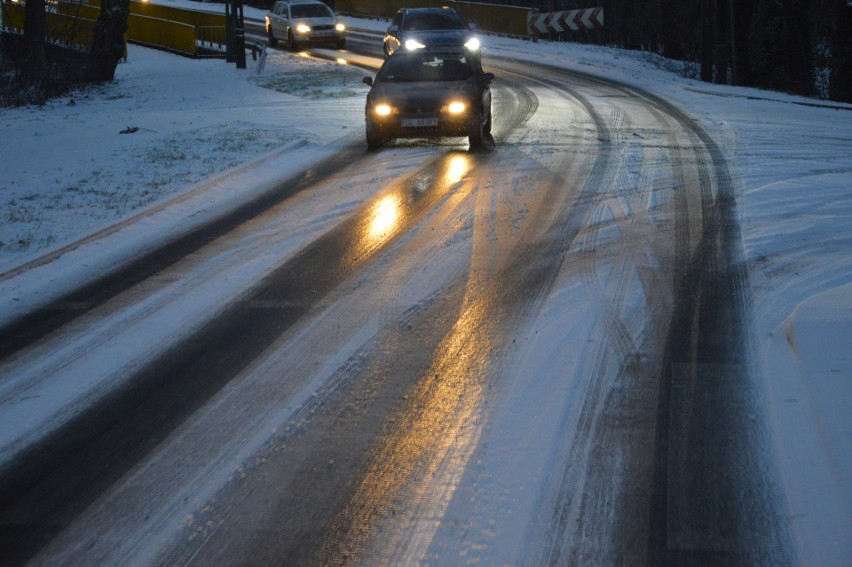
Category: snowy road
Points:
column 331, row 373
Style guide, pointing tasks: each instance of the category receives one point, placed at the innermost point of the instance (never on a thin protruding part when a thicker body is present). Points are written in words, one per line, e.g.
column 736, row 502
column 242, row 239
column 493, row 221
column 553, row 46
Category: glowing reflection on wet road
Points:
column 392, row 212
column 417, row 466
column 383, row 215
column 457, row 167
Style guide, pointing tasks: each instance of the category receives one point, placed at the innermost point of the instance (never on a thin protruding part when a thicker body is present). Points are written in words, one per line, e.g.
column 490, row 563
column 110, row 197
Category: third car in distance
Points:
column 302, row 22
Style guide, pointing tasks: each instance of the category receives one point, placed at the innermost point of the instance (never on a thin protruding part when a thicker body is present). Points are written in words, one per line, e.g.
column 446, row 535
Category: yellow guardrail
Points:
column 75, row 32
column 157, row 32
column 175, row 29
column 182, row 15
column 507, row 20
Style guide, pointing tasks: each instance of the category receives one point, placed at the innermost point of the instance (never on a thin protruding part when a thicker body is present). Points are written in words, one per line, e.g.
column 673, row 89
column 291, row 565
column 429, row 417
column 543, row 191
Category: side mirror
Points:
column 368, row 81
column 487, row 78
column 393, row 29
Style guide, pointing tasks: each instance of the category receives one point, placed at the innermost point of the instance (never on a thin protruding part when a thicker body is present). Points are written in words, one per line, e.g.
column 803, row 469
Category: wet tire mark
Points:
column 731, row 519
column 39, row 323
column 54, row 480
column 714, row 497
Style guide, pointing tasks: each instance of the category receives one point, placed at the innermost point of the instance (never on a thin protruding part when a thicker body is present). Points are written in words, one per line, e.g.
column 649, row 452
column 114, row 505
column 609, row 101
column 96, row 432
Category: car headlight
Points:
column 340, row 27
column 303, row 28
column 472, row 44
column 382, row 109
column 412, row 44
column 456, row 107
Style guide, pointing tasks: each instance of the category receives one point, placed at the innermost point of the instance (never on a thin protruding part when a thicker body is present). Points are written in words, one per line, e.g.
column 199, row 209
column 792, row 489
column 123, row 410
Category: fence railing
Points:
column 195, row 34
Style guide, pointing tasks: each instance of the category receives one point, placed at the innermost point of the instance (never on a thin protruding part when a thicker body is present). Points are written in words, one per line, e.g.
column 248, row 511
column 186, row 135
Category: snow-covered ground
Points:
column 94, row 176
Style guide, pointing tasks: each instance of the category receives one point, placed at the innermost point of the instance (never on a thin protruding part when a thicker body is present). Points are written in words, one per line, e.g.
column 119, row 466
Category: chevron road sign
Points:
column 567, row 20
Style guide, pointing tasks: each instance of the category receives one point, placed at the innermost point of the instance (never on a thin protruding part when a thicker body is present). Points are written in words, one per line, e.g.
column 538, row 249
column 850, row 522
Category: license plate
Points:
column 419, row 122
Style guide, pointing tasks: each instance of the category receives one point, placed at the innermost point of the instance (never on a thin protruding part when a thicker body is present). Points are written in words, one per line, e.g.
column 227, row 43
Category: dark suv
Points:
column 429, row 28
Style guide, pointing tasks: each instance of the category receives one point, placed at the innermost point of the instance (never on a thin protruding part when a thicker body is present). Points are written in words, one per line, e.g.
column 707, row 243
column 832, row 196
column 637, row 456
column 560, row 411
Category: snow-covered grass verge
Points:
column 165, row 124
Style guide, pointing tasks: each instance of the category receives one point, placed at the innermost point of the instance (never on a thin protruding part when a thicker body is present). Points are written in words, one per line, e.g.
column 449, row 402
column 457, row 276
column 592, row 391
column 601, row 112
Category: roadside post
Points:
column 235, row 33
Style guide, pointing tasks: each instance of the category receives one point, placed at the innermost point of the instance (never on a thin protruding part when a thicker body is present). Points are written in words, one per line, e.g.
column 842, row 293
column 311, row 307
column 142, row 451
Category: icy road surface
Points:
column 529, row 354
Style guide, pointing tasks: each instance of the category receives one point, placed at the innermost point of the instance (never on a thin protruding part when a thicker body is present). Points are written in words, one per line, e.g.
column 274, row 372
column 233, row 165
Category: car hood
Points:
column 439, row 37
column 321, row 21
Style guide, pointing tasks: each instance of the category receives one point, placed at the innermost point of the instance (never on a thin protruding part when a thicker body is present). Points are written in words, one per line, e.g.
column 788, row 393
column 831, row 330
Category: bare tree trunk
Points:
column 32, row 66
column 707, row 26
column 108, row 39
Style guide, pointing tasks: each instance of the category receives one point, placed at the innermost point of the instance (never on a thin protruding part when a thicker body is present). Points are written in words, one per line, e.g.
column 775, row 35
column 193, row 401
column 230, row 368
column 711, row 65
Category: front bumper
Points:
column 425, row 125
column 320, row 36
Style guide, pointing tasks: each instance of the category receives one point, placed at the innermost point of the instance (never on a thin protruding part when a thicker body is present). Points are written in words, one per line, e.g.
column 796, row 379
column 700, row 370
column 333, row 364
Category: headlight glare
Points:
column 456, row 107
column 412, row 44
column 382, row 109
column 303, row 28
column 472, row 44
column 340, row 27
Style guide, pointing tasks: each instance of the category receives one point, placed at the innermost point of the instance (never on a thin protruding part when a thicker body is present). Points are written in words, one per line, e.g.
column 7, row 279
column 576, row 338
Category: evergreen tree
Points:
column 780, row 47
column 841, row 53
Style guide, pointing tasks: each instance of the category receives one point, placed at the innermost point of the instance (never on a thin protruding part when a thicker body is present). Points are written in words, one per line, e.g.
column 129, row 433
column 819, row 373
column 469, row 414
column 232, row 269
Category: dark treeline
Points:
column 796, row 46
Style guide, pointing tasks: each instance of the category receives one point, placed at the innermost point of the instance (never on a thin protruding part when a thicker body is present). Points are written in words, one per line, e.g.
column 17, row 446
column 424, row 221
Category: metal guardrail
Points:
column 192, row 33
column 166, row 34
column 63, row 29
column 213, row 38
column 195, row 34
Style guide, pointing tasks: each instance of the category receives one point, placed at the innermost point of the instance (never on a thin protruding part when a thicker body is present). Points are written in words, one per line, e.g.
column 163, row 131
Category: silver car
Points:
column 304, row 22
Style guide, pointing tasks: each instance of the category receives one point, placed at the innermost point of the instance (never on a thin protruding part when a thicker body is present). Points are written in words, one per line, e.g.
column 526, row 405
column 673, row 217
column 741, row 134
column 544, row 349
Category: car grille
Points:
column 415, row 110
column 323, row 28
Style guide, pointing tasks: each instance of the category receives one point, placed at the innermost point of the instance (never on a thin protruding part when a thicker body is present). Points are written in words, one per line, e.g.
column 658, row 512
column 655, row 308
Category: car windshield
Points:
column 426, row 67
column 310, row 11
column 433, row 21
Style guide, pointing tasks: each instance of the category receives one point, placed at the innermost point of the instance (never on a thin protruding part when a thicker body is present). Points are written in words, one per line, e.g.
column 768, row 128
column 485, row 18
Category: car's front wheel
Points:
column 272, row 41
column 375, row 140
column 476, row 133
column 291, row 41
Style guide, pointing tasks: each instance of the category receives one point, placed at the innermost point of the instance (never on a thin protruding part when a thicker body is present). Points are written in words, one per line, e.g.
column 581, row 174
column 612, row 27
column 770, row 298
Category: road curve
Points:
column 358, row 401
